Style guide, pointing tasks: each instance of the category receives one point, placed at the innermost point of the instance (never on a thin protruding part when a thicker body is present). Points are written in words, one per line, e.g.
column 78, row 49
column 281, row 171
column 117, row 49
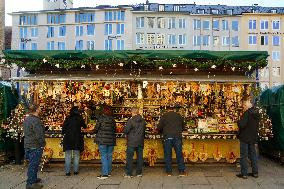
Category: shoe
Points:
column 255, row 175
column 242, row 176
column 139, row 175
column 182, row 174
column 38, row 180
column 102, row 177
column 169, row 174
column 68, row 174
column 76, row 173
column 127, row 176
column 35, row 186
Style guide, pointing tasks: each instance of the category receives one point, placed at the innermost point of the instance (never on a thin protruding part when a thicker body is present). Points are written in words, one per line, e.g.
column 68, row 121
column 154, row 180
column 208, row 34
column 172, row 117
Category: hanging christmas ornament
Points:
column 57, row 65
column 2, row 61
column 161, row 68
column 213, row 66
column 249, row 67
column 233, row 68
column 97, row 67
column 23, row 69
column 196, row 69
column 134, row 62
column 174, row 65
column 145, row 83
column 44, row 60
column 83, row 66
column 120, row 64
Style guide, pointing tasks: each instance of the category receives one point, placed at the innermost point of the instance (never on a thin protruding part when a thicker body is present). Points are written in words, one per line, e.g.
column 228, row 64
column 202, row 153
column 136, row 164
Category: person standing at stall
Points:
column 34, row 143
column 248, row 136
column 171, row 126
column 105, row 138
column 135, row 133
column 73, row 142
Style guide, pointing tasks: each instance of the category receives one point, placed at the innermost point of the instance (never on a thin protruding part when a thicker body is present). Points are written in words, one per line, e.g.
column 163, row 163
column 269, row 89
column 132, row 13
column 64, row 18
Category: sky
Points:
column 30, row 5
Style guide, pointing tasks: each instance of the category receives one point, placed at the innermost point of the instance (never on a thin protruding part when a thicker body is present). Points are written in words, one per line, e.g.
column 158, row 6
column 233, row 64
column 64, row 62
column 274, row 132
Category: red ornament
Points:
column 199, row 113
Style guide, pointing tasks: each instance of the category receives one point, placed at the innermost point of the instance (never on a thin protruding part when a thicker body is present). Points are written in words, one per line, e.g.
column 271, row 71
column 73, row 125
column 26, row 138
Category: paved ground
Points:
column 200, row 177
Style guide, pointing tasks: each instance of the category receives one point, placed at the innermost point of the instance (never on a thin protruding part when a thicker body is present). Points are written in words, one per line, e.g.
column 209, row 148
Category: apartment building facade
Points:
column 154, row 26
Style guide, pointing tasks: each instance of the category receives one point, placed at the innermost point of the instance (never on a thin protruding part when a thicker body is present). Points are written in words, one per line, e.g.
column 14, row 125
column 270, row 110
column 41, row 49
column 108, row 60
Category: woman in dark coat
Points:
column 73, row 142
column 105, row 138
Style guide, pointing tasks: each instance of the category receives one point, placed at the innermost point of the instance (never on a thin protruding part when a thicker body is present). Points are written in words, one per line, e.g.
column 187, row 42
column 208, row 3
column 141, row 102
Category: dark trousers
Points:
column 33, row 156
column 176, row 143
column 129, row 160
column 248, row 151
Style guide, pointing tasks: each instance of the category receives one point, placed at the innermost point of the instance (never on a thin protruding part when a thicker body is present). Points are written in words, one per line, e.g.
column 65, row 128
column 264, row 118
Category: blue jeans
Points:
column 33, row 155
column 248, row 151
column 106, row 158
column 68, row 158
column 176, row 143
column 129, row 160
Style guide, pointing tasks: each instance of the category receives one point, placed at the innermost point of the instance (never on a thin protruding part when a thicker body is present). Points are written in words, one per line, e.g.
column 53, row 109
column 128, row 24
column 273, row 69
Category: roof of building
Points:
column 188, row 8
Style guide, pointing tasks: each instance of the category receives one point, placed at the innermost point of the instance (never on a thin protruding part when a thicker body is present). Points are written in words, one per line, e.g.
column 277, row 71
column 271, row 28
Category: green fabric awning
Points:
column 124, row 54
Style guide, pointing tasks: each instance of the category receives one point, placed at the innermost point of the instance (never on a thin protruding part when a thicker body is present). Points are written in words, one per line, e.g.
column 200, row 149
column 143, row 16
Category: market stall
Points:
column 206, row 87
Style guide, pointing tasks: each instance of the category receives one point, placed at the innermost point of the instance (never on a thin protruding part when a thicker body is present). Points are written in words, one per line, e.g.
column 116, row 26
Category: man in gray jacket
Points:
column 34, row 142
column 135, row 133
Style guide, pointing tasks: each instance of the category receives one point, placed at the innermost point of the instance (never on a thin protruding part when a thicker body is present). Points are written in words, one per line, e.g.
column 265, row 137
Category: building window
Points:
column 197, row 40
column 120, row 29
column 276, row 55
column 200, row 11
column 139, row 22
column 79, row 45
column 50, row 31
column 273, row 11
column 216, row 41
column 115, row 15
column 215, row 11
column 161, row 7
column 28, row 20
column 61, row 45
column 90, row 45
column 252, row 24
column 225, row 24
column 229, row 12
column 176, row 8
column 171, row 39
column 50, row 45
column 235, row 41
column 215, row 24
column 182, row 39
column 161, row 39
column 79, row 30
column 108, row 29
column 206, row 25
column 85, row 17
column 276, row 71
column 252, row 39
column 206, row 40
column 109, row 16
column 264, row 25
column 120, row 44
column 34, row 46
column 181, row 23
column 276, row 40
column 196, row 24
column 91, row 29
column 24, row 32
column 235, row 25
column 108, row 44
column 264, row 40
column 34, row 32
column 161, row 22
column 276, row 24
column 226, row 41
column 56, row 18
column 62, row 31
column 150, row 38
column 172, row 23
column 121, row 15
column 23, row 46
column 151, row 22
column 146, row 7
column 139, row 38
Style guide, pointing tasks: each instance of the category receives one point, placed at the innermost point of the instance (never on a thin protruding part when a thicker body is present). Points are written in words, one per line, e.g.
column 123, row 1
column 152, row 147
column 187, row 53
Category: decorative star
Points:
column 174, row 65
column 83, row 66
column 233, row 68
column 57, row 65
column 3, row 60
column 213, row 66
column 249, row 67
column 24, row 69
column 97, row 67
column 44, row 60
column 161, row 68
column 134, row 62
column 196, row 69
column 120, row 64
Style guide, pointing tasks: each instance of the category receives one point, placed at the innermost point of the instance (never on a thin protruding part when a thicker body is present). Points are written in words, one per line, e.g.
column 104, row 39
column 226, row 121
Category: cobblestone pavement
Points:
column 271, row 176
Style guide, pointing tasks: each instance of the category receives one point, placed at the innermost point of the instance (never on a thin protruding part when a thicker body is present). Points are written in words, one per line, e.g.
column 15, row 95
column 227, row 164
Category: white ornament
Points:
column 23, row 69
column 196, row 69
column 161, row 68
column 249, row 67
column 213, row 66
column 233, row 68
column 120, row 64
column 44, row 60
column 174, row 65
column 134, row 62
column 145, row 83
column 83, row 66
column 3, row 61
column 97, row 67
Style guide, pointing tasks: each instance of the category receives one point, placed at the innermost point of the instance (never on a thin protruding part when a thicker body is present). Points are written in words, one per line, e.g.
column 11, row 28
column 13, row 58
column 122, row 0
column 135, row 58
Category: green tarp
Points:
column 155, row 54
column 8, row 100
column 273, row 101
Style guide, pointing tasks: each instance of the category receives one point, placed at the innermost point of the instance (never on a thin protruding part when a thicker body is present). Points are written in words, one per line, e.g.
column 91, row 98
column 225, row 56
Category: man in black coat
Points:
column 171, row 126
column 248, row 136
column 135, row 133
column 73, row 142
